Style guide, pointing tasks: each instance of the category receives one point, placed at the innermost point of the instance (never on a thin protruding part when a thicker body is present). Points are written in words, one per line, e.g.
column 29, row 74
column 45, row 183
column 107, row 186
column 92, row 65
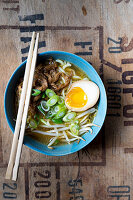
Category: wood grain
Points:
column 103, row 170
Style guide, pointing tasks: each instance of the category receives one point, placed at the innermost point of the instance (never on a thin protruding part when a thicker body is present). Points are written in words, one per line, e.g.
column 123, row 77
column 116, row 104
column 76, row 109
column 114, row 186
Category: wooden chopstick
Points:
column 27, row 100
column 20, row 111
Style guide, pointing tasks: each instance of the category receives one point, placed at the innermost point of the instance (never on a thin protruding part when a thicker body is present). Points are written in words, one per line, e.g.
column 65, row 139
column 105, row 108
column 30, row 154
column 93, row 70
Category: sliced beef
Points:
column 40, row 82
column 58, row 87
column 45, row 74
column 36, row 98
column 53, row 76
column 32, row 109
column 50, row 67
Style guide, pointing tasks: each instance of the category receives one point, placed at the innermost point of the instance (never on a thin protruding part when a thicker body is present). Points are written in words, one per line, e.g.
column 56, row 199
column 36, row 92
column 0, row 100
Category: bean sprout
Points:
column 53, row 126
column 71, row 140
column 84, row 119
column 56, row 131
column 92, row 110
column 61, row 129
column 91, row 124
column 45, row 133
column 67, row 139
column 52, row 141
column 76, row 136
column 83, row 122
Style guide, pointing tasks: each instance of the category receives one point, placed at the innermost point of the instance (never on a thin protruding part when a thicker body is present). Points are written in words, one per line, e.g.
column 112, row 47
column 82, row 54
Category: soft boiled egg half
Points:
column 82, row 95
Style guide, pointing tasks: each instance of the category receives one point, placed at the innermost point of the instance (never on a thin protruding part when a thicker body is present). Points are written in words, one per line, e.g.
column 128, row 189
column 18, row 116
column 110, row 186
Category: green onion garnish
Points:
column 57, row 121
column 50, row 93
column 69, row 116
column 60, row 113
column 74, row 128
column 40, row 109
column 44, row 106
column 43, row 95
column 33, row 124
column 35, row 92
column 61, row 101
column 52, row 101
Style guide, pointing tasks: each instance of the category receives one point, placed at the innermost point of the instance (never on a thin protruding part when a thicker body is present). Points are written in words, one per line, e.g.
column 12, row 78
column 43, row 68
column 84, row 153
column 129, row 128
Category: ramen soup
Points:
column 63, row 103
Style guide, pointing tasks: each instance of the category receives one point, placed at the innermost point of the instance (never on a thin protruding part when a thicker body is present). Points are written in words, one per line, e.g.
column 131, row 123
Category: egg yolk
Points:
column 76, row 97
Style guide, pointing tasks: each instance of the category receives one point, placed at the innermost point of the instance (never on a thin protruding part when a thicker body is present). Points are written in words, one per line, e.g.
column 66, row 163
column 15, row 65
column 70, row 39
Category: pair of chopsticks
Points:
column 12, row 169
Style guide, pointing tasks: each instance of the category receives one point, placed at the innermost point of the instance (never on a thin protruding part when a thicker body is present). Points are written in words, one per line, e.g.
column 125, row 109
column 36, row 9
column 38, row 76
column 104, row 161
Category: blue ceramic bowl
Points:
column 99, row 119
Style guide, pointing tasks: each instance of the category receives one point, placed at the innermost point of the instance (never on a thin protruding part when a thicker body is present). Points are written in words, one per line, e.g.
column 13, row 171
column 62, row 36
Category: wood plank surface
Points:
column 102, row 170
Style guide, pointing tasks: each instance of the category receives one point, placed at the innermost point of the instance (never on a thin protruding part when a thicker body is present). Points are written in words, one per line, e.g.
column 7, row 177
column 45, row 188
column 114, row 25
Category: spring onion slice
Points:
column 61, row 101
column 69, row 116
column 35, row 92
column 41, row 110
column 33, row 124
column 44, row 106
column 50, row 93
column 57, row 121
column 50, row 114
column 74, row 128
column 52, row 101
column 43, row 95
column 60, row 113
column 57, row 108
column 76, row 122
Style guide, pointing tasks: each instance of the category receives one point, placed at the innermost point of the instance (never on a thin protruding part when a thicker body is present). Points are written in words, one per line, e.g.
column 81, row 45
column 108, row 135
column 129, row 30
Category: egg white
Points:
column 91, row 90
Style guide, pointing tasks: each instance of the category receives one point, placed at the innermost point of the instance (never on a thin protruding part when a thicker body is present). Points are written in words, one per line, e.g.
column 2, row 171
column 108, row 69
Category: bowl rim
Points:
column 50, row 53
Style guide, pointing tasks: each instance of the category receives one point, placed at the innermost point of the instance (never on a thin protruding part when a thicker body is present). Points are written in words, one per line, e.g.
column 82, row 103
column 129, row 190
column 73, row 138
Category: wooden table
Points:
column 100, row 32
